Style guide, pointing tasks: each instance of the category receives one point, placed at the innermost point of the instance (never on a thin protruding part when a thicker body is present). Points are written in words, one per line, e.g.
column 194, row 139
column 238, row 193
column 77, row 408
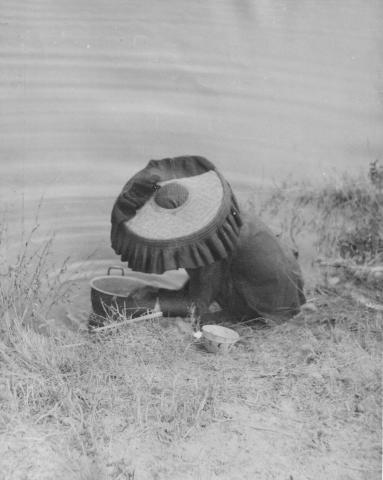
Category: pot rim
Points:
column 103, row 277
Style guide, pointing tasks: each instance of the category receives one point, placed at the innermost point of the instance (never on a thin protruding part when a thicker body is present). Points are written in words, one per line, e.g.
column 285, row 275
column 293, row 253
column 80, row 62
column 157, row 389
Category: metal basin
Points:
column 115, row 295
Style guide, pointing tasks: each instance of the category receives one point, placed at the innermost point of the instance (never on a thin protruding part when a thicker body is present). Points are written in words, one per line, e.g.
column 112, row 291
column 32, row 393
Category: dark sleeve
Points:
column 133, row 196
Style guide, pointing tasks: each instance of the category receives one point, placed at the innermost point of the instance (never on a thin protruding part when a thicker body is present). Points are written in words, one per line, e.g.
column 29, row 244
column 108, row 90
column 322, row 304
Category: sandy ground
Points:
column 291, row 402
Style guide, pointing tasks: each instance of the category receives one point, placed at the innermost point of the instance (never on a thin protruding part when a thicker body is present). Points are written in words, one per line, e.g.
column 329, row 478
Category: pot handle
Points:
column 116, row 267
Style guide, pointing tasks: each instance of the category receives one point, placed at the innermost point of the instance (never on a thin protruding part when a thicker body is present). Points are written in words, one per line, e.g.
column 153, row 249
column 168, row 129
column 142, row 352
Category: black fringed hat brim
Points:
column 212, row 243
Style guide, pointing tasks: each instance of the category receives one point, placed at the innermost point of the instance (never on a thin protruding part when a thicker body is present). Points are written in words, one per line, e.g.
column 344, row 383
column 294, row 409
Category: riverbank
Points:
column 300, row 400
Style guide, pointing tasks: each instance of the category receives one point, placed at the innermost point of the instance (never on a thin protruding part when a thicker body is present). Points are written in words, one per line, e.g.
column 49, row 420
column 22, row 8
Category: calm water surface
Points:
column 92, row 89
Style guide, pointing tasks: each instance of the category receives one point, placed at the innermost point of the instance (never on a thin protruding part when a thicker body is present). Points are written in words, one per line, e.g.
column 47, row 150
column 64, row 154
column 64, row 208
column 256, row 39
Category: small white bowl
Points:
column 217, row 339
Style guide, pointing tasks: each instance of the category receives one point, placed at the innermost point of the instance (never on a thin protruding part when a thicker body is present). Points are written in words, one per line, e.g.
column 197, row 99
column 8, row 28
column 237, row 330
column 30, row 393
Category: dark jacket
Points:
column 262, row 278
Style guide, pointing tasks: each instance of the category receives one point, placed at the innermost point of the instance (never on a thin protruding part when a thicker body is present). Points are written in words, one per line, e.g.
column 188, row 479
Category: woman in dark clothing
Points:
column 181, row 213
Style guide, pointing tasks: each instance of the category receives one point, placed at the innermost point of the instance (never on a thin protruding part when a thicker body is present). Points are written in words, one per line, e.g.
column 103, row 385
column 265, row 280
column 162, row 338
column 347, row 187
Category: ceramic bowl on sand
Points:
column 217, row 339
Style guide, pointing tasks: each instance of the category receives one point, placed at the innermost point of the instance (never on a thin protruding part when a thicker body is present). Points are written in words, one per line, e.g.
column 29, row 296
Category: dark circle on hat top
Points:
column 172, row 195
column 200, row 234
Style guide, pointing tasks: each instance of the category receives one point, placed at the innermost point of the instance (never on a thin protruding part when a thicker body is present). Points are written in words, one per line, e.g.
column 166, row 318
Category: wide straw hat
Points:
column 175, row 213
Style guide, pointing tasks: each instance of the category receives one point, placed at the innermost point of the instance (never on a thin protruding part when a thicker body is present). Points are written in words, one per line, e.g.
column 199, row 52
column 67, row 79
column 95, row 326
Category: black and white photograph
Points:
column 191, row 239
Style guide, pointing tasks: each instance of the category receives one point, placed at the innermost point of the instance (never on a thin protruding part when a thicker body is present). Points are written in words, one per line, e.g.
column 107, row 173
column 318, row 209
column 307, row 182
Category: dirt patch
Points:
column 33, row 452
column 295, row 401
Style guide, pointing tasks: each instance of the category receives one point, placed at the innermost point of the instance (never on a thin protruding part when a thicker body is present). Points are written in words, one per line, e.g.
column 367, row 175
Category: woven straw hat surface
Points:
column 202, row 204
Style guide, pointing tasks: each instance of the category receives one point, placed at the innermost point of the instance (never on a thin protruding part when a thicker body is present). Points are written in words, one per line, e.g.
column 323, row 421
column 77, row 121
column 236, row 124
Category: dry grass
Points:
column 299, row 400
column 343, row 216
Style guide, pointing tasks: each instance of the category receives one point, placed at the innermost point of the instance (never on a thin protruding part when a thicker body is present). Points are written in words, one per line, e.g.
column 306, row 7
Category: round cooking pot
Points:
column 111, row 294
column 129, row 296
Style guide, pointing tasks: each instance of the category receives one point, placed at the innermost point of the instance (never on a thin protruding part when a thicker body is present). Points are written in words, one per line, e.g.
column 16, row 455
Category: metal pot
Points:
column 114, row 295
